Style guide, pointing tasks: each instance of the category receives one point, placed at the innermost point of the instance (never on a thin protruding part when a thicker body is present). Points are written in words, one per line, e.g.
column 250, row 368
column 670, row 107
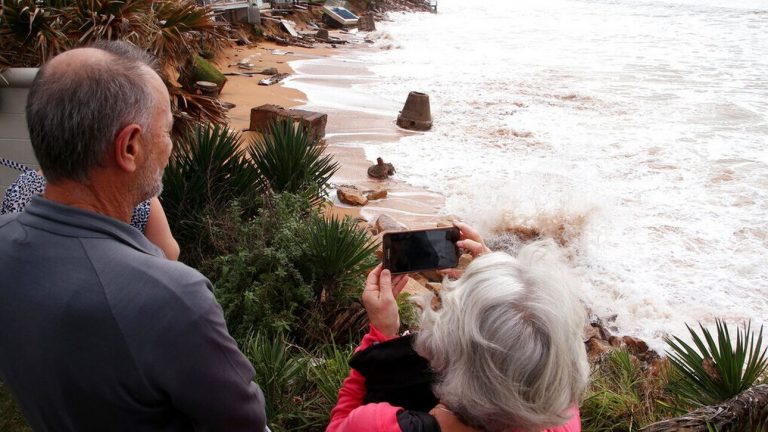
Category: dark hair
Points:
column 74, row 113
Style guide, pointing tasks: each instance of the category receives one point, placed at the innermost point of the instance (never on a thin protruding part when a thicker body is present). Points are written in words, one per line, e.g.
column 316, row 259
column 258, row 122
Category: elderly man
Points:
column 98, row 332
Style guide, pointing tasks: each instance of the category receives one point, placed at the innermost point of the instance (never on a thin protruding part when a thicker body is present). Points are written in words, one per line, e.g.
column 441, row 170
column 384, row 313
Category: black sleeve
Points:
column 394, row 373
column 414, row 421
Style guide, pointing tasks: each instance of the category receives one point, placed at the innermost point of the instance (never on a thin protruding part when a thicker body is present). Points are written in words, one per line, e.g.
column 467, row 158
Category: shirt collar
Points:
column 75, row 222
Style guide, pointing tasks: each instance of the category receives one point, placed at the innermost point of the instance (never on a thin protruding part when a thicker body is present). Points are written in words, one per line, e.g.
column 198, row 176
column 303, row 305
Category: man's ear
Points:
column 128, row 147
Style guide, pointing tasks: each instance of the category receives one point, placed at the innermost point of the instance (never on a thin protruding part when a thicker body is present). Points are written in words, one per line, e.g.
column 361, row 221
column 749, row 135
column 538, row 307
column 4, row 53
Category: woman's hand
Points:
column 379, row 295
column 469, row 240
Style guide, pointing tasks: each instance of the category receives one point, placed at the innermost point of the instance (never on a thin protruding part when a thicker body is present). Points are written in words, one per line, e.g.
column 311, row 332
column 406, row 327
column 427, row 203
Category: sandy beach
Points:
column 413, row 207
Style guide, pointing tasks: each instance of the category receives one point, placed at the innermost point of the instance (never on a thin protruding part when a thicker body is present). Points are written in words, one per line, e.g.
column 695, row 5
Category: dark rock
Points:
column 381, row 170
column 635, row 346
column 597, row 348
column 376, row 194
column 366, row 23
column 269, row 71
column 615, row 341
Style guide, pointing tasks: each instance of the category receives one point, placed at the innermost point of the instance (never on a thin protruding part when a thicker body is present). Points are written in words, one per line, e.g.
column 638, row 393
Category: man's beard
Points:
column 150, row 182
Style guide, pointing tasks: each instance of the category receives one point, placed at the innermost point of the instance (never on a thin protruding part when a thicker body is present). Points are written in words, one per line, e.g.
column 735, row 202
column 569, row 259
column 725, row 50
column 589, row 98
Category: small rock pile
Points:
column 600, row 342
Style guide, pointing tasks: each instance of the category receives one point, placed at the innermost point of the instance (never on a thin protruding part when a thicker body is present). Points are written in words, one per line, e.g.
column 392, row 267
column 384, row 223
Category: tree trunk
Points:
column 743, row 413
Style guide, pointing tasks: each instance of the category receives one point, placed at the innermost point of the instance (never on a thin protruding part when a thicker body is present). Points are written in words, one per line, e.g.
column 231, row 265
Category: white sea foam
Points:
column 637, row 130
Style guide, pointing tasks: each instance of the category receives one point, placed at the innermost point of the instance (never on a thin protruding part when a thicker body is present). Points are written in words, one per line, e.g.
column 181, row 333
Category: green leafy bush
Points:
column 716, row 369
column 289, row 270
column 255, row 277
column 327, row 371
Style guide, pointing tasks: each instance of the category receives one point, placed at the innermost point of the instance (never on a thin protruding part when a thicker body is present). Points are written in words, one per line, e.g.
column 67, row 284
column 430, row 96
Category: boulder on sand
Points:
column 376, row 194
column 351, row 195
column 387, row 223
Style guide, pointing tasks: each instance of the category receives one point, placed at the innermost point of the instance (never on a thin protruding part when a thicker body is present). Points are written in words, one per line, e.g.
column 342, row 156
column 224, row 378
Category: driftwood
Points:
column 740, row 414
column 289, row 40
column 274, row 79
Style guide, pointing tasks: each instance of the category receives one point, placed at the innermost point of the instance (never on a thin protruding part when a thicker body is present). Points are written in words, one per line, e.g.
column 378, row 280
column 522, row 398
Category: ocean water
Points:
column 633, row 131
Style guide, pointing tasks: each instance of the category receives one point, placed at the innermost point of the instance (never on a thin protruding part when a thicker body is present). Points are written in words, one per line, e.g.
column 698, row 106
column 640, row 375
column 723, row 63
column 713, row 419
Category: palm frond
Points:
column 93, row 20
column 184, row 28
column 31, row 35
column 190, row 109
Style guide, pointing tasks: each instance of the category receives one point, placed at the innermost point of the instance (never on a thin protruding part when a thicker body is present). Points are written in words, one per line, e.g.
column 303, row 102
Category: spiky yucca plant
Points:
column 290, row 160
column 338, row 252
column 716, row 369
column 207, row 171
column 281, row 374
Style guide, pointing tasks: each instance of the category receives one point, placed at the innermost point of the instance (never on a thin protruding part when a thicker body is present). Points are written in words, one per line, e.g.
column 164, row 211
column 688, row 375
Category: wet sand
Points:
column 246, row 93
column 353, row 119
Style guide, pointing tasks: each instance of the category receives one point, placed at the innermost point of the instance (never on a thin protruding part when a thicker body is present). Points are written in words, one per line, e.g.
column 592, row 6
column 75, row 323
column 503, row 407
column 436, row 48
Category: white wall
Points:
column 14, row 137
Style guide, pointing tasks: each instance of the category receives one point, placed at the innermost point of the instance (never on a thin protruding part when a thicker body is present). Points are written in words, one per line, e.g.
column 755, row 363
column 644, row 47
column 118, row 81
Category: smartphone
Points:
column 417, row 250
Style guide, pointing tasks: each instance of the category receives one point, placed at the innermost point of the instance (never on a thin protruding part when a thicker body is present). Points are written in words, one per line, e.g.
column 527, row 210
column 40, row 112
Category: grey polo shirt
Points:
column 99, row 332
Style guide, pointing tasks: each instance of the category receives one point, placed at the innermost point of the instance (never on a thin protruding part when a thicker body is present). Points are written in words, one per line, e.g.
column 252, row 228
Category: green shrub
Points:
column 289, row 160
column 716, row 369
column 327, row 371
column 281, row 374
column 256, row 280
column 337, row 254
column 300, row 388
column 410, row 314
column 207, row 171
column 621, row 397
column 289, row 270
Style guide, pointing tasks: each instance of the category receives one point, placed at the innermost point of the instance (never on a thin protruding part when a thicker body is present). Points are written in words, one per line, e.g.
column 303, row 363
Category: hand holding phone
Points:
column 379, row 298
column 418, row 250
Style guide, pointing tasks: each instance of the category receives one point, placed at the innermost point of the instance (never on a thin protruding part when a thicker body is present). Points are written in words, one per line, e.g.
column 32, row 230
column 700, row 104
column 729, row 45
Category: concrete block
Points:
column 263, row 115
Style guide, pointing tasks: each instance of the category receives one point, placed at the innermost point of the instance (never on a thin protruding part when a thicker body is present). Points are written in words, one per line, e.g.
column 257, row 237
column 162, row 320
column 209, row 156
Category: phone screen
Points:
column 409, row 251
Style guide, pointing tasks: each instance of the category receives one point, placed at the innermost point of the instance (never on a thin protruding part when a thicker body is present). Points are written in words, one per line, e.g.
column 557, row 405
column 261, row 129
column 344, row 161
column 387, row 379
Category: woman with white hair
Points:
column 503, row 353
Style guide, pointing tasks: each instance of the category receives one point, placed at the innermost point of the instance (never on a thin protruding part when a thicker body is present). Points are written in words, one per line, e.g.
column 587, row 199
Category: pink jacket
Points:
column 350, row 415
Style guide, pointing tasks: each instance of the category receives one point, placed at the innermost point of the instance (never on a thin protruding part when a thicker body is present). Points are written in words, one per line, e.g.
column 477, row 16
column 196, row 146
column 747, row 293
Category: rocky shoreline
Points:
column 359, row 191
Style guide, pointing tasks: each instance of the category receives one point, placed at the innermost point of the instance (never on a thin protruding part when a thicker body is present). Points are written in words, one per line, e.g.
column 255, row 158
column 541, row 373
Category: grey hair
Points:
column 74, row 113
column 507, row 343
